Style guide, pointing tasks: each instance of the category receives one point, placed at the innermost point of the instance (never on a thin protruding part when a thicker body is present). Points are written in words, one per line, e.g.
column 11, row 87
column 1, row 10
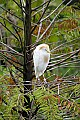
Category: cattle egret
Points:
column 41, row 57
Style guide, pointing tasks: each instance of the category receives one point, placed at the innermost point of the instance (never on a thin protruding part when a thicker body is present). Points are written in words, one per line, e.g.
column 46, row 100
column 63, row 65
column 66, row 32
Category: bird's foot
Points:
column 38, row 80
column 45, row 82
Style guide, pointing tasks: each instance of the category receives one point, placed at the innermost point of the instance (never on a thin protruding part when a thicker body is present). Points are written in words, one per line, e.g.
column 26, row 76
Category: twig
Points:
column 41, row 17
column 77, row 51
column 20, row 6
column 9, row 58
column 10, row 31
column 13, row 64
column 52, row 12
column 11, row 49
column 34, row 9
column 11, row 22
column 40, row 26
column 52, row 21
column 63, row 44
column 20, row 40
column 15, row 81
column 11, row 13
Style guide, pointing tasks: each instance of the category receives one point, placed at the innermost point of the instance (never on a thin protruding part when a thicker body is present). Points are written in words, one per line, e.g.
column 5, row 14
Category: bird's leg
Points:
column 38, row 79
column 58, row 88
column 44, row 79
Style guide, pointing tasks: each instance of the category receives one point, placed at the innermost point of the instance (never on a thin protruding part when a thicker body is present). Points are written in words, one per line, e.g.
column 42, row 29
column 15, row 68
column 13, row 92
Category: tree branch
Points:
column 11, row 49
column 21, row 7
column 34, row 9
column 77, row 51
column 11, row 22
column 52, row 22
column 12, row 64
column 20, row 40
column 9, row 58
column 10, row 31
column 11, row 13
column 41, row 16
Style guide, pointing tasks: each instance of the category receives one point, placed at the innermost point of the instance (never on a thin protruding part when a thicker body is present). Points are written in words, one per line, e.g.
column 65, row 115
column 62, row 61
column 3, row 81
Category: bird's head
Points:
column 44, row 47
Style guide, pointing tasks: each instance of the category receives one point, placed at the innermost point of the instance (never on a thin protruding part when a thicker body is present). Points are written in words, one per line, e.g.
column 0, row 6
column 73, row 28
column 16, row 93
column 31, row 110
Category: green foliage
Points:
column 64, row 38
column 48, row 108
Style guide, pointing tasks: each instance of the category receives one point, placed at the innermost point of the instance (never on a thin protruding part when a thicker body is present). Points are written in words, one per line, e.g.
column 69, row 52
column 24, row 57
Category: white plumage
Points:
column 41, row 57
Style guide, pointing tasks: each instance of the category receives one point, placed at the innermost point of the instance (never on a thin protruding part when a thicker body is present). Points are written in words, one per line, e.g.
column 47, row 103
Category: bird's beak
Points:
column 48, row 51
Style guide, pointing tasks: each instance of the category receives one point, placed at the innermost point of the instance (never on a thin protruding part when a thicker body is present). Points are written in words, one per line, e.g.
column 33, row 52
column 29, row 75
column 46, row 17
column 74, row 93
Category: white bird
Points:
column 41, row 57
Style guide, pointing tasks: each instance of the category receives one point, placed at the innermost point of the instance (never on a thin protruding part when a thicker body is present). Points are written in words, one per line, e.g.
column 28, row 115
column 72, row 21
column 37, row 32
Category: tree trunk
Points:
column 27, row 76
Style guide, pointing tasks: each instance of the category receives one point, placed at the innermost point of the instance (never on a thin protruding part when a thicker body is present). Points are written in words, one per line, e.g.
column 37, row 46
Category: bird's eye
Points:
column 45, row 49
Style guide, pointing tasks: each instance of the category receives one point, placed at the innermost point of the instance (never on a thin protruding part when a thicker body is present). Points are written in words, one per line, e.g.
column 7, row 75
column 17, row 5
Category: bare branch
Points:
column 12, row 60
column 63, row 44
column 40, row 6
column 10, row 31
column 11, row 49
column 52, row 21
column 20, row 6
column 52, row 12
column 20, row 39
column 11, row 13
column 41, row 16
column 11, row 22
column 12, row 64
column 75, row 52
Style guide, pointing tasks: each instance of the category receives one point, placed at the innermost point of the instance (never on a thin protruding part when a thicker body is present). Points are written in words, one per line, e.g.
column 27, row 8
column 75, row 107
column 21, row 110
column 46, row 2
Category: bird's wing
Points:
column 40, row 63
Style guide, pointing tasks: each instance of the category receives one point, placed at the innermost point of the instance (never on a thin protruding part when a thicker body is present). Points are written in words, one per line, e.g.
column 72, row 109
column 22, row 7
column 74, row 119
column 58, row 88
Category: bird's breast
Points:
column 46, row 58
